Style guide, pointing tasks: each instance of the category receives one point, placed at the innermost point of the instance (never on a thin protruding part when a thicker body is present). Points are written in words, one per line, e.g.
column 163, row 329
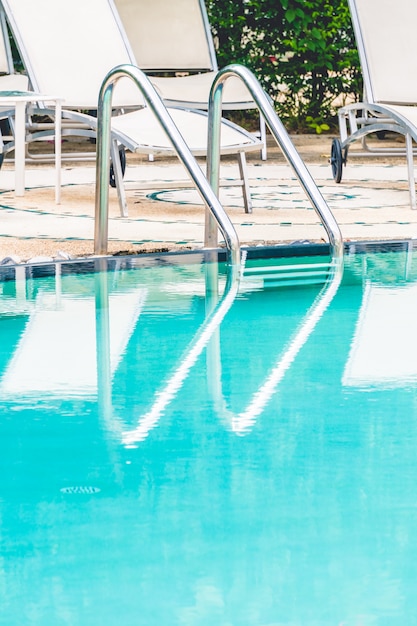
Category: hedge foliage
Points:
column 302, row 51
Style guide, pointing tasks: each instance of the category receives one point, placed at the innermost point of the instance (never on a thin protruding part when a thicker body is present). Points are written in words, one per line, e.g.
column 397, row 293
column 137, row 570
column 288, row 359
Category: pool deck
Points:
column 371, row 203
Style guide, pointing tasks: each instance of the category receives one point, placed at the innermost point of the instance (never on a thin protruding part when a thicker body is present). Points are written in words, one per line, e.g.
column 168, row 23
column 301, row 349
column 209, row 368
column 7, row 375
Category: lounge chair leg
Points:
column 118, row 176
column 410, row 167
column 211, row 229
column 247, row 200
column 262, row 129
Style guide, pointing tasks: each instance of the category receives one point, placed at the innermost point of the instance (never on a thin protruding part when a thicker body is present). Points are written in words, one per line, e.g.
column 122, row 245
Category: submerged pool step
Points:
column 286, row 275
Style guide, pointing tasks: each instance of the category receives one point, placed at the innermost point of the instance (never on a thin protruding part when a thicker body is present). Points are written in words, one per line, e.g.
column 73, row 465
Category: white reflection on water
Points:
column 57, row 352
column 383, row 351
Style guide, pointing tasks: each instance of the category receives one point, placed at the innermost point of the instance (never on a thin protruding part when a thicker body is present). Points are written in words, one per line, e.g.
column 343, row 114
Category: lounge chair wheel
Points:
column 336, row 160
column 122, row 154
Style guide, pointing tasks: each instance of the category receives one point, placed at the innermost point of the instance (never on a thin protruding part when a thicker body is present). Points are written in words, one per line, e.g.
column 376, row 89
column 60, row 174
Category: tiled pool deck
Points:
column 371, row 203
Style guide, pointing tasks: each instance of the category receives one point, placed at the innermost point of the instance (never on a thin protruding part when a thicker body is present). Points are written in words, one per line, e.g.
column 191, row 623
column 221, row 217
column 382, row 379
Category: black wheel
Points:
column 336, row 160
column 122, row 155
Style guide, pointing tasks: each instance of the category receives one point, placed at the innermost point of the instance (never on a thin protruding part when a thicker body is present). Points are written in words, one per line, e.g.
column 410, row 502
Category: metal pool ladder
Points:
column 216, row 217
column 105, row 145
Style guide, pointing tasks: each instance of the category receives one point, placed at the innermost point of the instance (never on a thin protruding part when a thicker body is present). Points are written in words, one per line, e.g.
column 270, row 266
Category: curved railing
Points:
column 282, row 138
column 181, row 148
column 208, row 189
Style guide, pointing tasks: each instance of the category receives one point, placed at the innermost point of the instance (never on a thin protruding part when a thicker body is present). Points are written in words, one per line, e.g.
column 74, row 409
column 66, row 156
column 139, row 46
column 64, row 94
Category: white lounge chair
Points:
column 68, row 51
column 172, row 42
column 385, row 38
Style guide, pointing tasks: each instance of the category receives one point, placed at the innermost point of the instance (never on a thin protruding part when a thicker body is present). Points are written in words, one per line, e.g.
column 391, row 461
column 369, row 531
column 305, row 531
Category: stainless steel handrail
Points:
column 182, row 150
column 283, row 140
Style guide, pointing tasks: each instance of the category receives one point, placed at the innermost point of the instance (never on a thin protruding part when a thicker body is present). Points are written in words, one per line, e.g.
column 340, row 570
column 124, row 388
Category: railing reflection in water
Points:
column 208, row 336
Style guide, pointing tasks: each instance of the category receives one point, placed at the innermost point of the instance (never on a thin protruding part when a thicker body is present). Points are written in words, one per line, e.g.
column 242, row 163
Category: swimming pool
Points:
column 174, row 455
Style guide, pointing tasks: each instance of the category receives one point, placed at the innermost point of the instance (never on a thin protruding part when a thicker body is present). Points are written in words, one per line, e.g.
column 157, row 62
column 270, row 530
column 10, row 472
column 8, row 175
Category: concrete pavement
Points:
column 371, row 203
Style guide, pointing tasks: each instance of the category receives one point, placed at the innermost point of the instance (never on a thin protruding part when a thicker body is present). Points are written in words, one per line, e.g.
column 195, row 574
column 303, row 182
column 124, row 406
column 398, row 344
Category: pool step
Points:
column 286, row 275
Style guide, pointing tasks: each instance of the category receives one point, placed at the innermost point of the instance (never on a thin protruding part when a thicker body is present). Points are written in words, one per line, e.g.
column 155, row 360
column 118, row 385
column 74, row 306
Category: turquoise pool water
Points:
column 173, row 456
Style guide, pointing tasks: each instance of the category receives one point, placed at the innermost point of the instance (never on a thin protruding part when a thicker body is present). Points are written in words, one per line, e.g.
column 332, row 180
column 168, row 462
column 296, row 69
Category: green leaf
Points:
column 323, row 64
column 290, row 15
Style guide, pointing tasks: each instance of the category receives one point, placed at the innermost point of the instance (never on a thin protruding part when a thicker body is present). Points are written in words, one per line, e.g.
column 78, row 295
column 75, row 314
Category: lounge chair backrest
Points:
column 4, row 63
column 9, row 80
column 169, row 35
column 68, row 48
column 385, row 34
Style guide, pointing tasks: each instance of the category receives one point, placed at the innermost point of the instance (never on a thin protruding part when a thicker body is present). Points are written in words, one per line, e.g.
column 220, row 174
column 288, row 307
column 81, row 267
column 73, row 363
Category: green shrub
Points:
column 302, row 51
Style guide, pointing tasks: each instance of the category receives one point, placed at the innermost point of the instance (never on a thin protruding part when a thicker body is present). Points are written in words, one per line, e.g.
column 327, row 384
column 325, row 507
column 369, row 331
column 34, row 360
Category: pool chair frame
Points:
column 76, row 78
column 384, row 109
